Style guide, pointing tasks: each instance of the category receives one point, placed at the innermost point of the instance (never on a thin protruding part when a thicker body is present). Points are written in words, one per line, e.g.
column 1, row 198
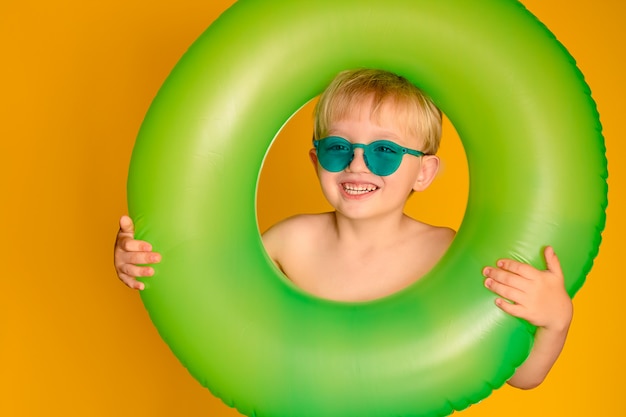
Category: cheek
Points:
column 326, row 179
column 404, row 178
column 409, row 170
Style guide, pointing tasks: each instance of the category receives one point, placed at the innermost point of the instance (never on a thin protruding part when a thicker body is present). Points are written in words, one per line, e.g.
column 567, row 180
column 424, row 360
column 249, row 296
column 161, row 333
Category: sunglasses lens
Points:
column 334, row 153
column 383, row 157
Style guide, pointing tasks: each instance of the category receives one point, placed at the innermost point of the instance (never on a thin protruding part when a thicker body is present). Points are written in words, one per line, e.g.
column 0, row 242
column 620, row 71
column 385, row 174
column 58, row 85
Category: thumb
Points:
column 126, row 225
column 552, row 261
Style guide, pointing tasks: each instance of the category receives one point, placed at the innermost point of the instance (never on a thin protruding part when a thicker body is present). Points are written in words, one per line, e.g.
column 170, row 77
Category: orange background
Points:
column 76, row 79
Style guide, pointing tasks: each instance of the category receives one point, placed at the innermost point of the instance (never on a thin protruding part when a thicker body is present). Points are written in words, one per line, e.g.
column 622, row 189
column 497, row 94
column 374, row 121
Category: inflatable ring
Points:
column 537, row 176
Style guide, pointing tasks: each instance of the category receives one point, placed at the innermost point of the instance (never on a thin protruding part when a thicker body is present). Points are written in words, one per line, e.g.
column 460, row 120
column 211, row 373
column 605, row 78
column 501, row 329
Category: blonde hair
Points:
column 413, row 107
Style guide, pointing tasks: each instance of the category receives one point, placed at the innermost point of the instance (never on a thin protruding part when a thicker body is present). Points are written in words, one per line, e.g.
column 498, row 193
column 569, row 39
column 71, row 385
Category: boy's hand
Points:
column 540, row 298
column 128, row 253
column 536, row 296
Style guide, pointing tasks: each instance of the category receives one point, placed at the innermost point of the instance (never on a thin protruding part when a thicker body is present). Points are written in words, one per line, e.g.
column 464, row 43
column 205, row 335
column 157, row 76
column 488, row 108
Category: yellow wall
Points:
column 76, row 78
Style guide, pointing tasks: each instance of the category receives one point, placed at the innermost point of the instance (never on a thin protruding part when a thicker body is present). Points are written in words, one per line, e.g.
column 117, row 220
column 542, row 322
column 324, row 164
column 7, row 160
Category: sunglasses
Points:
column 382, row 157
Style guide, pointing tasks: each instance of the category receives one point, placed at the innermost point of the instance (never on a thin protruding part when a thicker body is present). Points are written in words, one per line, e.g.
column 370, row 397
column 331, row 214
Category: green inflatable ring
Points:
column 537, row 176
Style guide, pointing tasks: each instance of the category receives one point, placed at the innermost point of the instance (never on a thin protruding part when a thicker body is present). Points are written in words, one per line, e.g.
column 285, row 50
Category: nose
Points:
column 358, row 161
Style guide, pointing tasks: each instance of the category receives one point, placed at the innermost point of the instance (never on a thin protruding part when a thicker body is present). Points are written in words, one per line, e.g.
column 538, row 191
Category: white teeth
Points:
column 355, row 189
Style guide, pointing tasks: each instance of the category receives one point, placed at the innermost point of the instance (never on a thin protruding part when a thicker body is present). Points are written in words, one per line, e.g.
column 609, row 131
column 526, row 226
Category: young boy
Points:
column 375, row 140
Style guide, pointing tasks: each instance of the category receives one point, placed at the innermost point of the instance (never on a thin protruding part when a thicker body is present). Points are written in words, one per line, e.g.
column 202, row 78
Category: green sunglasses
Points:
column 382, row 157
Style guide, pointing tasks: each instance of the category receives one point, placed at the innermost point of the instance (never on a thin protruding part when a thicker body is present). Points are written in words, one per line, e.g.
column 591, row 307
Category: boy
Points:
column 375, row 140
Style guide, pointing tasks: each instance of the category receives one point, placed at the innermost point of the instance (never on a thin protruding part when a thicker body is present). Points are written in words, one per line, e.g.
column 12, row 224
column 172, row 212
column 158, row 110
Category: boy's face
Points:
column 356, row 191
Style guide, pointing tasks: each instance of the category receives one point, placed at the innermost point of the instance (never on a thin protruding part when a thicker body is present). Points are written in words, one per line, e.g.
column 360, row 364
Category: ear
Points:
column 427, row 173
column 313, row 157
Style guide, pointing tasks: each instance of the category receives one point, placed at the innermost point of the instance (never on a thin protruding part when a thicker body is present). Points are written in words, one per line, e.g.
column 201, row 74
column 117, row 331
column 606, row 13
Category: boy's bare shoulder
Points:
column 440, row 232
column 298, row 228
column 301, row 222
column 436, row 238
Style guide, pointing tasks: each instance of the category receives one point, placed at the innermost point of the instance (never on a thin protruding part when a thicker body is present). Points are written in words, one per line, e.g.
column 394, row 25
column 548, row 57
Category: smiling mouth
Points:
column 355, row 189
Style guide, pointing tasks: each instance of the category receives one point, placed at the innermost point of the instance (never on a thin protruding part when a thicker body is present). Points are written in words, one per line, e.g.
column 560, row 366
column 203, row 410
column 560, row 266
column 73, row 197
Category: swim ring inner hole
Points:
column 287, row 167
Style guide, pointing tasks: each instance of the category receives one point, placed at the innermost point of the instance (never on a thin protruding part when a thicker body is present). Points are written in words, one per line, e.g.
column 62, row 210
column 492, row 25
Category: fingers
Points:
column 132, row 257
column 128, row 274
column 523, row 291
column 511, row 280
column 133, row 245
column 139, row 258
column 525, row 270
column 125, row 238
column 129, row 265
column 126, row 225
column 552, row 261
column 131, row 282
column 515, row 267
column 510, row 307
column 134, row 271
column 504, row 284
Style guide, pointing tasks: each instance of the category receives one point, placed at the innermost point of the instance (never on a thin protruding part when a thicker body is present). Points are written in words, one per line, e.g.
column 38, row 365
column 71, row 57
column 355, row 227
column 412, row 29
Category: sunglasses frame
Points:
column 397, row 149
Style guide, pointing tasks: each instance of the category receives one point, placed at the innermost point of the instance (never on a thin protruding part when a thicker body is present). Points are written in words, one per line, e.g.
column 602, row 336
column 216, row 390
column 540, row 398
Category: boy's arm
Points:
column 540, row 298
column 546, row 350
column 129, row 253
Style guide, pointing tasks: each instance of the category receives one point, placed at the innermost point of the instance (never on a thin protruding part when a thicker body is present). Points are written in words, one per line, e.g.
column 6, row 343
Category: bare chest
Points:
column 359, row 275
